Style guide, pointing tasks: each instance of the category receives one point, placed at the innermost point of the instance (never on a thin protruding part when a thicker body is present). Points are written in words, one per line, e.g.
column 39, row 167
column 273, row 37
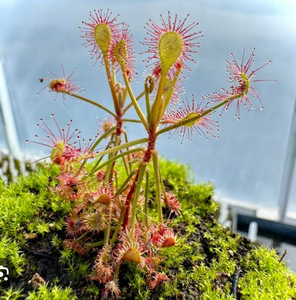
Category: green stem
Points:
column 142, row 169
column 116, row 180
column 93, row 147
column 147, row 100
column 103, row 136
column 125, row 164
column 118, row 227
column 158, row 103
column 90, row 101
column 146, row 197
column 108, row 179
column 109, row 161
column 194, row 119
column 109, row 171
column 124, row 100
column 163, row 191
column 157, row 184
column 98, row 161
column 122, row 146
column 129, row 158
column 131, row 104
column 100, row 243
column 81, row 237
column 125, row 184
column 108, row 229
column 132, row 120
column 111, row 84
column 134, row 101
column 169, row 96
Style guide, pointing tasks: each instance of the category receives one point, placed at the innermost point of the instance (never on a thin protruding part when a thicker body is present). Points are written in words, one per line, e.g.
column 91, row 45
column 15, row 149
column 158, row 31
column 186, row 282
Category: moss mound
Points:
column 209, row 262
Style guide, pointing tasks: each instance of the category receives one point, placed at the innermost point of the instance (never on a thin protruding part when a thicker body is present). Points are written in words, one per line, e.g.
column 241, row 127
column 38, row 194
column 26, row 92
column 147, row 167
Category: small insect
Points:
column 41, row 79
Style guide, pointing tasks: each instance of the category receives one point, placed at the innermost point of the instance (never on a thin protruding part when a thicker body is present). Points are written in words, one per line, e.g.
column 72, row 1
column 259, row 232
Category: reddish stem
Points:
column 119, row 124
column 151, row 146
column 129, row 197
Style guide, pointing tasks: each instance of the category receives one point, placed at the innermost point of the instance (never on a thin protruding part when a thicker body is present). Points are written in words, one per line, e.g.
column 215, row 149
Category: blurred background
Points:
column 248, row 163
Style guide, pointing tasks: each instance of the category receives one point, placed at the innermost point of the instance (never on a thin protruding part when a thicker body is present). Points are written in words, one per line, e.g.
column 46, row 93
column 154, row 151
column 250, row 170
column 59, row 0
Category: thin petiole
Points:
column 146, row 197
column 123, row 146
column 157, row 184
column 132, row 120
column 195, row 118
column 129, row 158
column 111, row 84
column 118, row 227
column 103, row 136
column 158, row 103
column 114, row 158
column 94, row 146
column 125, row 184
column 110, row 167
column 100, row 159
column 91, row 102
column 163, row 191
column 134, row 101
column 147, row 100
column 116, row 180
column 142, row 169
column 131, row 104
column 97, row 244
column 125, row 164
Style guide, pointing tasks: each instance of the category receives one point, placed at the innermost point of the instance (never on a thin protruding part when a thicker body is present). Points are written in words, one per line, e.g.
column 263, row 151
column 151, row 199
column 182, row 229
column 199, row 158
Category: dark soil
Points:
column 191, row 292
column 44, row 264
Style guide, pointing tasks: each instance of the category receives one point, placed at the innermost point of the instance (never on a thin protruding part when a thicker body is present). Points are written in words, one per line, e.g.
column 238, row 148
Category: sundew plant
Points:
column 114, row 212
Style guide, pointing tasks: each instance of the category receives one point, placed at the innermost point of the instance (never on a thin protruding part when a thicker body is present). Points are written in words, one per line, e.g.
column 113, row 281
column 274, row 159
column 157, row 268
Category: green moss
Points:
column 43, row 293
column 137, row 286
column 10, row 294
column 20, row 202
column 54, row 293
column 93, row 290
column 77, row 268
column 200, row 266
column 10, row 251
column 267, row 278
